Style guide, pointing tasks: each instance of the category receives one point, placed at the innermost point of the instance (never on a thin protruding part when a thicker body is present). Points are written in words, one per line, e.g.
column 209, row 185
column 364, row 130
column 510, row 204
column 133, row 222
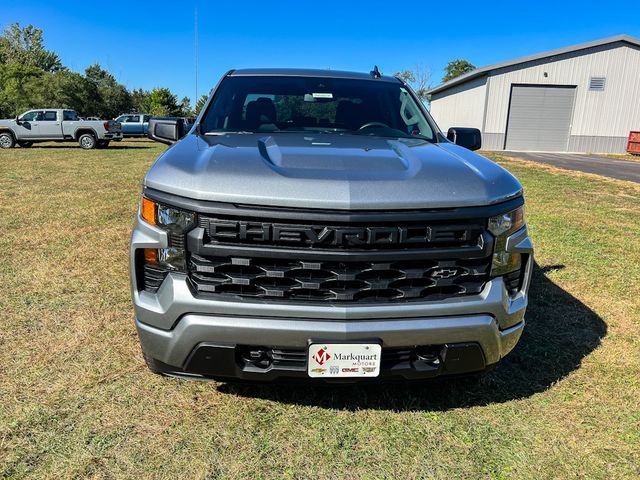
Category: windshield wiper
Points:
column 221, row 132
column 309, row 130
column 371, row 134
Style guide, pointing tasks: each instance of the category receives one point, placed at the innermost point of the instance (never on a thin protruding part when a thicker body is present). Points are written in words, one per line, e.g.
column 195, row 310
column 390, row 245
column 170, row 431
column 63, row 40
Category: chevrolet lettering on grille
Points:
column 239, row 231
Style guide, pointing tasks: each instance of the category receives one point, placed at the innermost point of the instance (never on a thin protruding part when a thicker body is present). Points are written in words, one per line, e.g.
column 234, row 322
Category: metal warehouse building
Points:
column 584, row 98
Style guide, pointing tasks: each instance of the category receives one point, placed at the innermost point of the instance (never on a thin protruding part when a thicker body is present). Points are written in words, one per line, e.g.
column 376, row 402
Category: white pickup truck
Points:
column 59, row 125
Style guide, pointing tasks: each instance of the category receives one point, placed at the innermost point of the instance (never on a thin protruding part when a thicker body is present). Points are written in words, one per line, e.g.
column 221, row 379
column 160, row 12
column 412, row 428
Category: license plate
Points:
column 336, row 360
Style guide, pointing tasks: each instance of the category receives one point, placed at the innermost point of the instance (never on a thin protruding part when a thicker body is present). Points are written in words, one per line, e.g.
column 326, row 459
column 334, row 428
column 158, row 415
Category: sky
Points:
column 151, row 44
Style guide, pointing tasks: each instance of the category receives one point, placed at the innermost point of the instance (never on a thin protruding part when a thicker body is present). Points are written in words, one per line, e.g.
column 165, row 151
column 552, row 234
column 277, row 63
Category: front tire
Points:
column 6, row 140
column 25, row 144
column 87, row 141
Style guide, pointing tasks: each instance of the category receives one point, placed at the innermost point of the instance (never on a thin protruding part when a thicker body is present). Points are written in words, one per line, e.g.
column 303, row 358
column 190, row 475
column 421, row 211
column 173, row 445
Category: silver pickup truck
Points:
column 316, row 225
column 60, row 125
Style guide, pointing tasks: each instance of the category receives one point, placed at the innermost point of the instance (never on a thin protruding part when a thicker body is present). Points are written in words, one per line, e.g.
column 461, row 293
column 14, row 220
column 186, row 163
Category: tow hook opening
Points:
column 260, row 357
column 428, row 357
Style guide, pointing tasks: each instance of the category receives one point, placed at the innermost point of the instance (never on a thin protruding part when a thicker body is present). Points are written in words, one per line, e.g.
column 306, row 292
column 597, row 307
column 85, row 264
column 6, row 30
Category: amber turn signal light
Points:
column 148, row 211
column 151, row 256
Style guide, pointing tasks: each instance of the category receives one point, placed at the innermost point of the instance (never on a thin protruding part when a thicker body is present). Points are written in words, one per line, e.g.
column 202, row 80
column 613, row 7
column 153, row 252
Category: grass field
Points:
column 76, row 400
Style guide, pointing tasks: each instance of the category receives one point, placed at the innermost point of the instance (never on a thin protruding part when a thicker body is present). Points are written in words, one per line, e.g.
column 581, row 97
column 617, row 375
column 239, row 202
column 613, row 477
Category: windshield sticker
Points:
column 322, row 95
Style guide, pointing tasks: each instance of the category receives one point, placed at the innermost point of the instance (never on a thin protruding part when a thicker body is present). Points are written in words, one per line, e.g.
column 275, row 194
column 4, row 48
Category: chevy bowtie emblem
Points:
column 444, row 273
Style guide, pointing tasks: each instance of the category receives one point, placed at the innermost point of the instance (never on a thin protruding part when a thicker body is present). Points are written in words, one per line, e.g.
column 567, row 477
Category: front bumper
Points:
column 470, row 343
column 175, row 326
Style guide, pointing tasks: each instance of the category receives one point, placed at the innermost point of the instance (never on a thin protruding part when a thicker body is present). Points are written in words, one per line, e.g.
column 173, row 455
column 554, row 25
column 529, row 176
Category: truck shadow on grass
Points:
column 560, row 332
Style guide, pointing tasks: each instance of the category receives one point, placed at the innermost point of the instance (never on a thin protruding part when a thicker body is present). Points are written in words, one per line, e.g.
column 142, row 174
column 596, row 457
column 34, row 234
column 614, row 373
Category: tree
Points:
column 25, row 46
column 419, row 78
column 185, row 107
column 67, row 89
column 20, row 87
column 24, row 66
column 112, row 98
column 140, row 100
column 33, row 77
column 163, row 103
column 199, row 105
column 457, row 67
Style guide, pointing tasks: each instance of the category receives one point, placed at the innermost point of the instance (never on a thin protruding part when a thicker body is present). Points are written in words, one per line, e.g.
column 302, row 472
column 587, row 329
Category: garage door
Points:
column 540, row 118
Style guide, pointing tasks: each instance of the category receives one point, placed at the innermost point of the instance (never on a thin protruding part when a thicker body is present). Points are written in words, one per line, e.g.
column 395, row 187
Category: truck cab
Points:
column 39, row 125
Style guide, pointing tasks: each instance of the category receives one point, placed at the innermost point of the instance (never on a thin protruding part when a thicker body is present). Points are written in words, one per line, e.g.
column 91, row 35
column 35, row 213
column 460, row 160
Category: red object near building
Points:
column 633, row 146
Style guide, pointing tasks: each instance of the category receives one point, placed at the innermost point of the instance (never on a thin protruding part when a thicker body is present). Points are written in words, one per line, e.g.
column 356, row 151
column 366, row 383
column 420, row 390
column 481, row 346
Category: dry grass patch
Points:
column 623, row 156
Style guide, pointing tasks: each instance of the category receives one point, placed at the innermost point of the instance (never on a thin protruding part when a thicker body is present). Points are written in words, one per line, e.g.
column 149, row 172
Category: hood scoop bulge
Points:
column 339, row 157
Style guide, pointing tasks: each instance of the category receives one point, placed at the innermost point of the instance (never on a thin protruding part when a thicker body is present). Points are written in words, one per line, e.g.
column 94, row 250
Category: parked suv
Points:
column 317, row 225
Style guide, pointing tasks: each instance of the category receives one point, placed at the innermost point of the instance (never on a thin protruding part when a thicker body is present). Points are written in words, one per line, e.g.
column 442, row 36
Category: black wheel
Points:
column 87, row 141
column 6, row 140
column 25, row 144
column 103, row 143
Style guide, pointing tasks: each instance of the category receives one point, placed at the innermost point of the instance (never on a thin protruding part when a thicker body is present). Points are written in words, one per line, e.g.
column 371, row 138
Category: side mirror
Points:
column 18, row 121
column 470, row 138
column 166, row 129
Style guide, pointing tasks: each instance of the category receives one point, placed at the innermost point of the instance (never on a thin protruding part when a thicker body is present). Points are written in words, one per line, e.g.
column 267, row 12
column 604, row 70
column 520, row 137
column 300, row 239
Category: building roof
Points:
column 308, row 72
column 478, row 72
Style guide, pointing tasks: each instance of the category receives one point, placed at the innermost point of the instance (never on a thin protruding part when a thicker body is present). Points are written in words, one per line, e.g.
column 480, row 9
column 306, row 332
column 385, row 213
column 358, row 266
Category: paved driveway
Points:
column 608, row 167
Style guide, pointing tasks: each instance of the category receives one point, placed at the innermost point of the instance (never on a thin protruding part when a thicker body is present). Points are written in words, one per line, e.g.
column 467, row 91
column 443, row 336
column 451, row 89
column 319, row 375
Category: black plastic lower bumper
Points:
column 260, row 364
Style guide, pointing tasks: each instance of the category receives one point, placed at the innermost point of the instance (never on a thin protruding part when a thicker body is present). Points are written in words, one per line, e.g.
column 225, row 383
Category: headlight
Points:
column 174, row 219
column 507, row 223
column 502, row 226
column 177, row 223
column 172, row 259
column 165, row 216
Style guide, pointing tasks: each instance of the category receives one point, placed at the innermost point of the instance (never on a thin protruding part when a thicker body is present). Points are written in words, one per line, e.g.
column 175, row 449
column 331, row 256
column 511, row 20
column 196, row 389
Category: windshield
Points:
column 308, row 104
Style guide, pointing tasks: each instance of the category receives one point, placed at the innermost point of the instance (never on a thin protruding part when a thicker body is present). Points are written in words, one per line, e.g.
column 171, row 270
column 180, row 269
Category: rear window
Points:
column 290, row 104
column 70, row 115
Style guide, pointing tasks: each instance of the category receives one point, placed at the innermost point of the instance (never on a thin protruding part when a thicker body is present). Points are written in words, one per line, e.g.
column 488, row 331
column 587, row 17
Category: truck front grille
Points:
column 273, row 255
column 330, row 281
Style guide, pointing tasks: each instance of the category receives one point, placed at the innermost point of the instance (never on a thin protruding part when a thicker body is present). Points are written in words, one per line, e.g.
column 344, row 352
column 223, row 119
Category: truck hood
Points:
column 333, row 171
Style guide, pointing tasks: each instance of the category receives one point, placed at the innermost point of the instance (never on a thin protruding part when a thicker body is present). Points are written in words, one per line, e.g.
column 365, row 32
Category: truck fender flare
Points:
column 82, row 130
column 9, row 130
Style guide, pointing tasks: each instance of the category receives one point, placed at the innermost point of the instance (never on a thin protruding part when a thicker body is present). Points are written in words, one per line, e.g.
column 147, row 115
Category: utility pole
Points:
column 196, row 50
